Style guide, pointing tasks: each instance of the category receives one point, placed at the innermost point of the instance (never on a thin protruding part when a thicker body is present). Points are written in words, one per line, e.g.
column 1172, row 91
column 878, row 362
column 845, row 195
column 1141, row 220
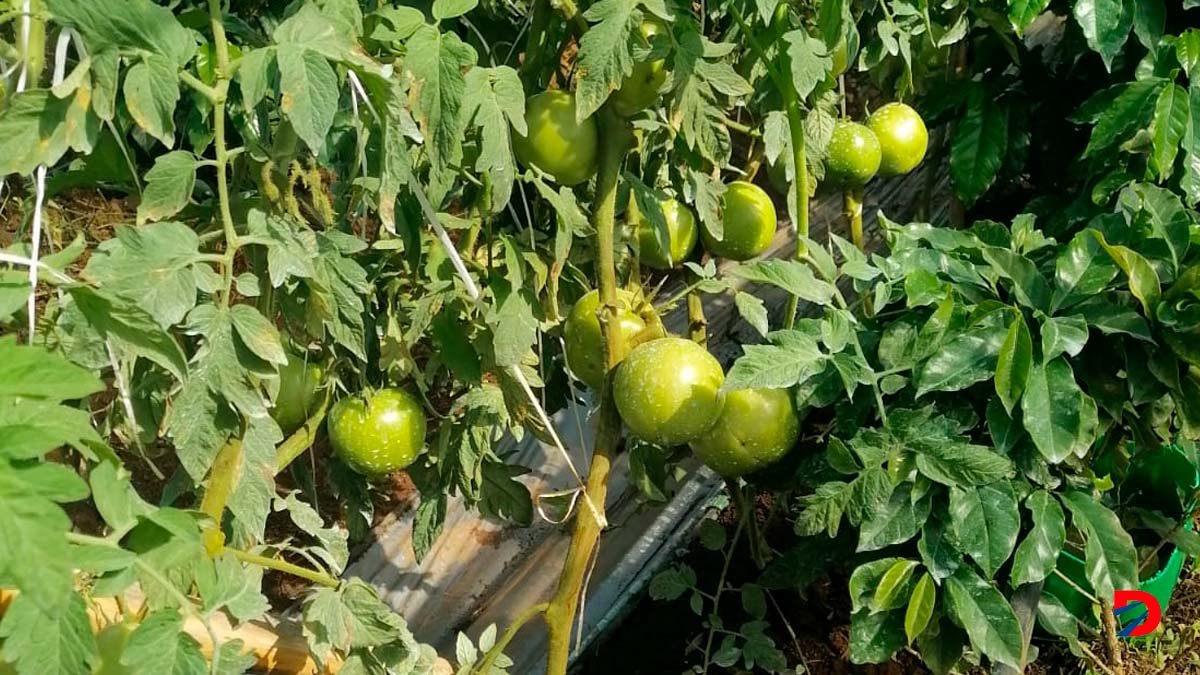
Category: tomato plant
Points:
column 238, row 234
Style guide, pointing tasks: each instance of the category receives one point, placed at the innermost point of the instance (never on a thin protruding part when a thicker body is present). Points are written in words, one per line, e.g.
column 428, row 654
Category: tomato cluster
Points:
column 892, row 143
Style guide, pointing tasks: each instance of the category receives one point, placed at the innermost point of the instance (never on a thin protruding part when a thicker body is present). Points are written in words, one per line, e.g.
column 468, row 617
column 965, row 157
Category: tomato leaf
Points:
column 495, row 100
column 437, row 61
column 809, row 61
column 131, row 25
column 33, row 372
column 605, row 50
column 160, row 645
column 42, row 641
column 792, row 357
column 310, row 93
column 168, row 186
column 753, row 311
column 38, row 128
column 151, row 91
column 792, row 276
column 168, row 250
column 986, row 615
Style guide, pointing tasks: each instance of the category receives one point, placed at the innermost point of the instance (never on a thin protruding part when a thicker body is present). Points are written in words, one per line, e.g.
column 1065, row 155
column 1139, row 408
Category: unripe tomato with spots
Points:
column 854, row 155
column 749, row 219
column 640, row 89
column 378, row 433
column 681, row 228
column 668, row 391
column 756, row 428
column 902, row 136
column 557, row 143
column 584, row 341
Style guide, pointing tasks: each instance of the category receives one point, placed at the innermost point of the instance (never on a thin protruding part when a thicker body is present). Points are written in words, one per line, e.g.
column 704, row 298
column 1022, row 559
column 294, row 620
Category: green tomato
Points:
column 378, row 435
column 298, row 384
column 668, row 391
column 557, row 144
column 681, row 226
column 585, row 344
column 756, row 428
column 749, row 218
column 902, row 136
column 854, row 155
column 640, row 89
column 111, row 642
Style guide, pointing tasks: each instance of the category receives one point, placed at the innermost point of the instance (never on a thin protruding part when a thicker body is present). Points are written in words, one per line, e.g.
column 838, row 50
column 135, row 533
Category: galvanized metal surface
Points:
column 483, row 572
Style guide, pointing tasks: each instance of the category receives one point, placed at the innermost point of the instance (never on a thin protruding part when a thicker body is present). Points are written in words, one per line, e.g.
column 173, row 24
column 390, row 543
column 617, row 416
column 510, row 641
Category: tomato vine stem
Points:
column 286, row 567
column 529, row 614
column 560, row 614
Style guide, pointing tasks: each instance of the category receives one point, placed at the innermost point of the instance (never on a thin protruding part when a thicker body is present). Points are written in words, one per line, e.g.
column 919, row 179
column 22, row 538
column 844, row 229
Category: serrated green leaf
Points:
column 41, row 641
column 967, row 358
column 120, row 318
column 752, row 309
column 437, row 61
column 311, row 28
column 151, row 266
column 139, row 25
column 151, row 91
column 160, row 645
column 37, row 128
column 809, row 61
column 605, row 53
column 494, row 101
column 792, row 357
column 257, row 333
column 169, row 186
column 310, row 93
column 790, row 275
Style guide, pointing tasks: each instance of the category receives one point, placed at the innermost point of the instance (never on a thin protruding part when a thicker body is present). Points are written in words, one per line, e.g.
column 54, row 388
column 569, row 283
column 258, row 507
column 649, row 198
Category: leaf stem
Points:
column 564, row 604
column 796, row 130
column 286, row 567
column 712, row 627
column 530, row 613
column 304, row 437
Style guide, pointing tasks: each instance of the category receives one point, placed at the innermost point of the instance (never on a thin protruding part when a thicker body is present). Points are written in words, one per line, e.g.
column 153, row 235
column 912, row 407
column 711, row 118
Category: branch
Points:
column 530, row 613
column 304, row 437
column 563, row 606
column 286, row 567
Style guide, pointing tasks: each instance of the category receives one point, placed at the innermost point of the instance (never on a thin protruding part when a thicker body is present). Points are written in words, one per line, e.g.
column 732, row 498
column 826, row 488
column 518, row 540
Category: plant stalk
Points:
column 530, row 613
column 304, row 437
column 560, row 614
column 285, row 567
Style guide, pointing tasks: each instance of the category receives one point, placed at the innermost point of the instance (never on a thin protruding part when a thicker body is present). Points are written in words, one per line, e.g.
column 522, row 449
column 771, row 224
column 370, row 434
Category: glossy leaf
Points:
column 920, row 607
column 1110, row 557
column 1060, row 418
column 1143, row 280
column 1038, row 553
column 985, row 521
column 1014, row 362
column 986, row 615
column 1105, row 24
column 978, row 147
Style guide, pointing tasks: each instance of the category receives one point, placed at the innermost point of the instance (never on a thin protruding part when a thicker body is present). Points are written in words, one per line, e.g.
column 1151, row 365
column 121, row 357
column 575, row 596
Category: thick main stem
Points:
column 560, row 614
column 221, row 93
